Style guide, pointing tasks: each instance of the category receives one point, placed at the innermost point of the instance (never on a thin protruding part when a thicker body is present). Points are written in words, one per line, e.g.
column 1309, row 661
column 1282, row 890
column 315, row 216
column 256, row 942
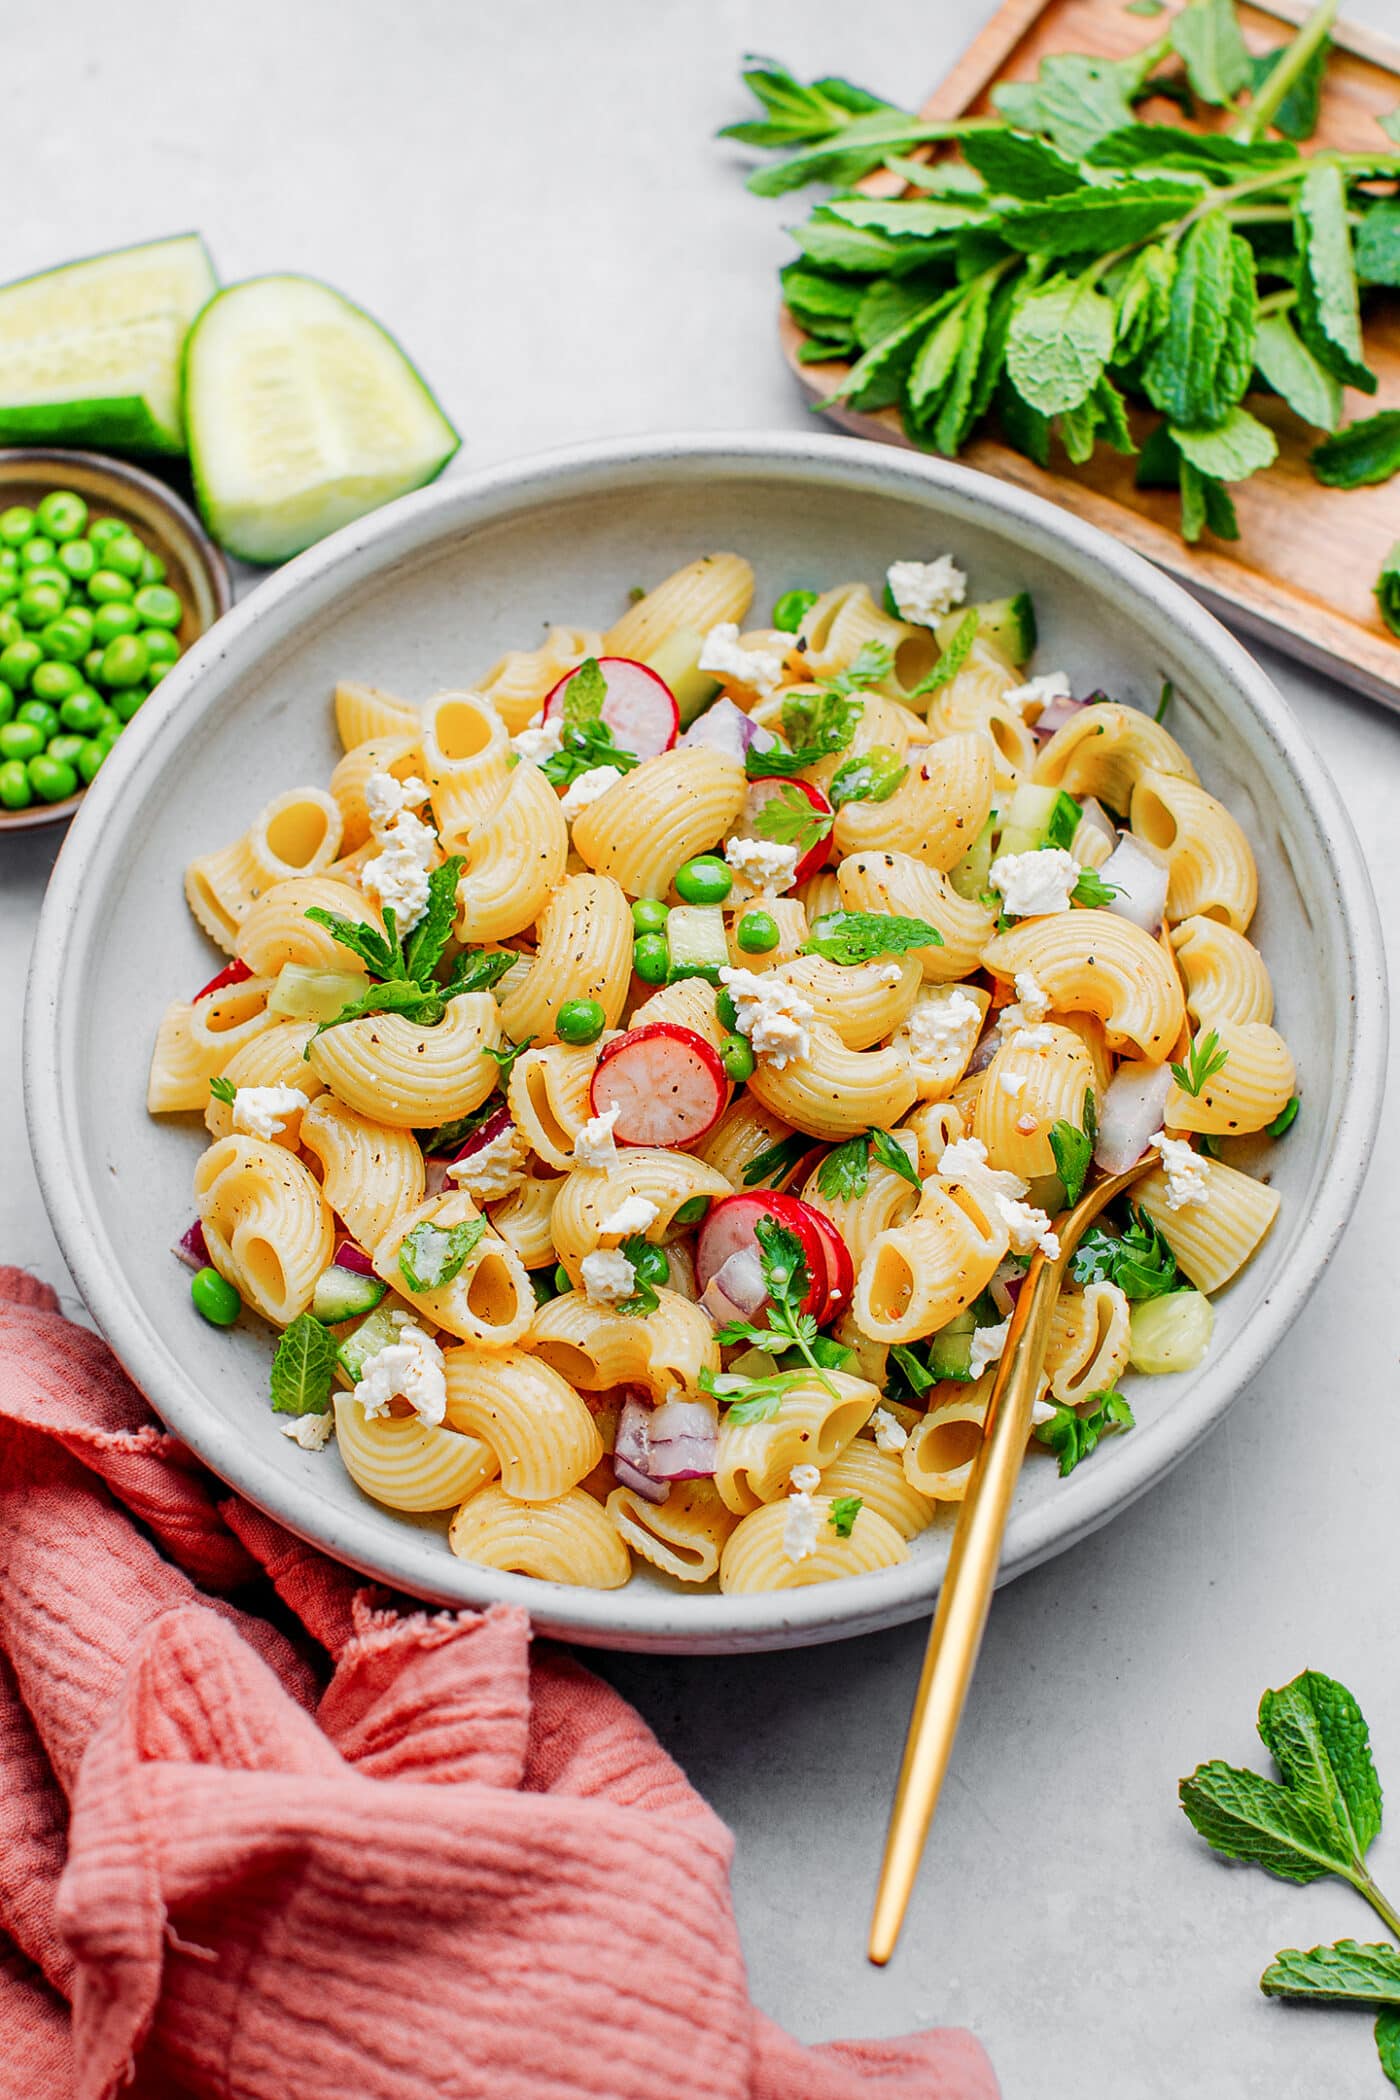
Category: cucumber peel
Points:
column 90, row 352
column 303, row 414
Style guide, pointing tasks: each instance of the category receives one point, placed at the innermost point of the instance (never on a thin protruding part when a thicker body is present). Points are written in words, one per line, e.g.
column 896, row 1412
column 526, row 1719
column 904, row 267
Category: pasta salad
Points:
column 641, row 1082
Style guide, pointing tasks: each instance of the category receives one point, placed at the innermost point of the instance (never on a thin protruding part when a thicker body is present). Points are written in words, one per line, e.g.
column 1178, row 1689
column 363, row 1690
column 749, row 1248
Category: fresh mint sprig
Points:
column 852, row 937
column 303, row 1369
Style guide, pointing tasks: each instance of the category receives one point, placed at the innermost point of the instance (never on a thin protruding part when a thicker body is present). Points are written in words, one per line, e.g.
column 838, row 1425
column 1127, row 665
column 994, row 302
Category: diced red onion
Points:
column 684, row 1440
column 737, row 1289
column 1140, row 880
column 485, row 1134
column 723, row 727
column 1130, row 1113
column 1093, row 812
column 986, row 1047
column 1055, row 715
column 632, row 1442
column 191, row 1249
column 630, row 1476
column 349, row 1256
column 435, row 1174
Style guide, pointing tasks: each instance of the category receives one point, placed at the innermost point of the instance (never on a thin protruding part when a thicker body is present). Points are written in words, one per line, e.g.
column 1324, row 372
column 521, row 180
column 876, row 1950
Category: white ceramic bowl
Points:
column 424, row 595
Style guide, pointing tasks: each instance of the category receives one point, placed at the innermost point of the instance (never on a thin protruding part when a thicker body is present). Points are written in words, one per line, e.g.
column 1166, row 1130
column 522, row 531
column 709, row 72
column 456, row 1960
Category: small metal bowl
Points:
column 194, row 566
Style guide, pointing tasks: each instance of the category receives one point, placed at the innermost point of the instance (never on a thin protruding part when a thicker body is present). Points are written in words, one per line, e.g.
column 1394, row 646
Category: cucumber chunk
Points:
column 343, row 1294
column 699, row 944
column 1007, row 623
column 1039, row 816
column 303, row 414
column 677, row 660
column 372, row 1335
column 90, row 353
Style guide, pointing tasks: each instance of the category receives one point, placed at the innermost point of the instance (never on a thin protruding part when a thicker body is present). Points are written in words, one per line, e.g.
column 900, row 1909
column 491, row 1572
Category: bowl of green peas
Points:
column 106, row 578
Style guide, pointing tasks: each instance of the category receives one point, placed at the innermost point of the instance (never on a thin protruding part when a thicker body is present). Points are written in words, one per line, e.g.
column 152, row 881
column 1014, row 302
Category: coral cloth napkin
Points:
column 332, row 1849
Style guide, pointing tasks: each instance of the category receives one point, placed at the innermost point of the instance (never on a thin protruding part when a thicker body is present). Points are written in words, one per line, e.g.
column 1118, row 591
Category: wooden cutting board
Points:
column 1301, row 572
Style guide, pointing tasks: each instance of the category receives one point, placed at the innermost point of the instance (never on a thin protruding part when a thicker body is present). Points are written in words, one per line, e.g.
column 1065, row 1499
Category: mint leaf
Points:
column 1075, row 101
column 433, row 931
column 1346, row 1971
column 1376, row 243
column 1207, row 37
column 432, row 1257
column 891, row 1154
column 843, row 1513
column 846, row 1171
column 825, row 722
column 1329, row 312
column 584, row 695
column 955, row 655
column 505, row 1055
column 1017, row 166
column 380, row 957
column 223, row 1090
column 777, row 1161
column 1361, row 455
column 1285, row 1119
column 1143, row 301
column 1290, row 368
column 450, row 1137
column 1388, row 2044
column 398, row 995
column 584, row 747
column 1318, row 1738
column 1074, row 1437
column 1180, row 375
column 852, row 937
column 1140, row 1262
column 873, row 776
column 1387, row 589
column 1252, row 1819
column 1058, row 343
column 303, row 1370
column 1239, row 447
column 477, row 970
column 919, row 1376
column 1097, row 218
column 1294, row 112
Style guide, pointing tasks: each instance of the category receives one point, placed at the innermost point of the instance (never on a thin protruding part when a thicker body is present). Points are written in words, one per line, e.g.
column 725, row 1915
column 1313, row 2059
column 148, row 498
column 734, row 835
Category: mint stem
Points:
column 1270, row 99
column 1364, row 1886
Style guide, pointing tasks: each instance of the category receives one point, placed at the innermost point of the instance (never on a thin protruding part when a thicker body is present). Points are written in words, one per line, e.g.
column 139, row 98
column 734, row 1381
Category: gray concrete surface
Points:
column 528, row 195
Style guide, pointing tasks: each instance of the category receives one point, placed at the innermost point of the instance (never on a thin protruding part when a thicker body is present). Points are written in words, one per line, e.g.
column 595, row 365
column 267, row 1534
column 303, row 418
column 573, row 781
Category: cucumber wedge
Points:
column 303, row 414
column 90, row 353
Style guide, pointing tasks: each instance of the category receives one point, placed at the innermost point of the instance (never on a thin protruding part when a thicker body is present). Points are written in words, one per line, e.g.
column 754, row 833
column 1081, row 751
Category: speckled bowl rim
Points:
column 651, row 1619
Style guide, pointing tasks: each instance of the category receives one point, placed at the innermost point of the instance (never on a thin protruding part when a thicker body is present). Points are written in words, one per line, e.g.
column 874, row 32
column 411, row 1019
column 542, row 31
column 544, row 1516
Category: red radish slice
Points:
column 235, row 973
column 485, row 1134
column 840, row 1270
column 666, row 1083
column 729, row 1229
column 191, row 1249
column 639, row 708
column 349, row 1256
column 761, row 791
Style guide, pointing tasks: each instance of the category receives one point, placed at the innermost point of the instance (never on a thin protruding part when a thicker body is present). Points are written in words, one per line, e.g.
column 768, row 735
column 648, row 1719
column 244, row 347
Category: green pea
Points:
column 16, row 524
column 7, row 704
column 106, row 737
column 110, row 621
column 78, row 559
column 757, row 933
column 51, row 779
column 40, row 603
column 63, row 640
column 542, row 1284
column 54, row 682
column 159, row 606
column 651, row 952
column 705, row 880
column 129, row 701
column 82, row 711
column 649, row 1265
column 125, row 554
column 726, row 1010
column 10, row 628
column 92, row 666
column 156, row 673
column 19, row 661
column 152, row 568
column 104, row 529
column 43, row 717
column 215, row 1298
column 579, row 1021
column 563, row 1281
column 124, row 662
column 90, row 760
column 66, row 748
column 49, row 572
column 105, row 586
column 62, row 515
column 36, row 551
column 649, row 915
column 792, row 609
column 111, row 720
column 15, row 791
column 736, row 1057
column 161, row 647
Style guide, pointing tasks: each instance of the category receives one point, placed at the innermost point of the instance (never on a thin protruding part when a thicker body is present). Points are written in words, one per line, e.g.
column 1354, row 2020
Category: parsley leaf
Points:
column 430, row 936
column 852, row 937
column 1140, row 1262
column 223, row 1089
column 1073, row 1437
column 1074, row 1149
column 432, row 1257
column 872, row 777
column 789, row 819
column 1091, row 889
column 787, row 1280
column 959, row 648
column 303, row 1370
column 750, row 1399
column 843, row 1513
column 643, row 1299
column 892, row 1154
column 1204, row 1059
column 777, row 1161
column 506, row 1054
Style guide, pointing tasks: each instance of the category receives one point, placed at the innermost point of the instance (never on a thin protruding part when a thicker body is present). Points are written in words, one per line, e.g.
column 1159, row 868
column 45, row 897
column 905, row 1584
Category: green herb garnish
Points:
column 1204, row 1058
column 843, row 1513
column 1074, row 1149
column 1072, row 1437
column 955, row 655
column 303, row 1370
column 852, row 937
column 846, row 1170
column 1091, row 889
column 777, row 1161
column 787, row 1281
column 586, row 740
column 789, row 819
column 433, row 1256
column 223, row 1089
column 1140, row 1262
column 873, row 776
column 1284, row 1120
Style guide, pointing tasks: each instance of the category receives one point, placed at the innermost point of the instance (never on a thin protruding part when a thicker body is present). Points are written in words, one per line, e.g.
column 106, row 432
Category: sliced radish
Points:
column 729, row 1229
column 840, row 1270
column 762, row 791
column 639, row 708
column 666, row 1083
column 235, row 973
column 349, row 1256
column 190, row 1248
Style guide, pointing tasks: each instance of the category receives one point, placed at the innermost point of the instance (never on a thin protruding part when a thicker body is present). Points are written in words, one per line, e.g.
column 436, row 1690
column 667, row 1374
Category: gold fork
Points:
column 966, row 1595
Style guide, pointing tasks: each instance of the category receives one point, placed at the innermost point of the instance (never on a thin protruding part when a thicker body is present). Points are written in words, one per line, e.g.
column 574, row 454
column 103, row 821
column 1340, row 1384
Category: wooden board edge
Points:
column 984, row 58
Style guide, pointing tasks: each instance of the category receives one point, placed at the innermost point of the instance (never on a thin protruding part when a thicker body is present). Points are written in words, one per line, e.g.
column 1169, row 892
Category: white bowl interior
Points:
column 425, row 597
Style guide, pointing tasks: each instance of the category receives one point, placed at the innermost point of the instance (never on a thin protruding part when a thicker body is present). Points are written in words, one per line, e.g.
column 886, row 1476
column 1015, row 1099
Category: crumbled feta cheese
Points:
column 944, row 1023
column 1041, row 1411
column 397, row 876
column 890, row 975
column 986, row 1347
column 772, row 1014
column 1037, row 693
column 802, row 1529
column 411, row 1369
column 806, row 1479
column 1029, row 1228
column 757, row 669
column 262, row 1111
column 762, row 862
column 890, row 1432
column 387, row 798
column 539, row 739
column 1034, row 1038
column 310, row 1431
column 587, row 789
column 495, row 1169
column 1013, row 1083
column 925, row 590
column 1035, row 883
column 1186, row 1177
column 608, row 1276
column 1026, row 1126
column 595, row 1145
column 965, row 1161
column 633, row 1214
column 1029, row 1008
